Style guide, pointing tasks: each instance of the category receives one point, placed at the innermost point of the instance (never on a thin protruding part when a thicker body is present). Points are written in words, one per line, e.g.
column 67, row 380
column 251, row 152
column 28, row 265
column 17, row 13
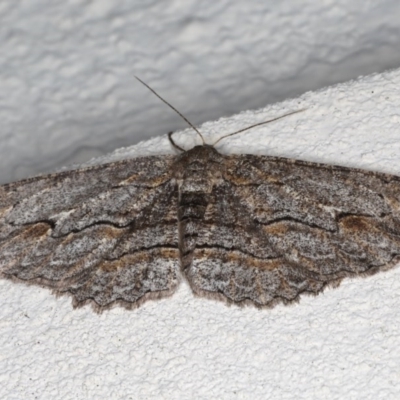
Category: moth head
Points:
column 197, row 163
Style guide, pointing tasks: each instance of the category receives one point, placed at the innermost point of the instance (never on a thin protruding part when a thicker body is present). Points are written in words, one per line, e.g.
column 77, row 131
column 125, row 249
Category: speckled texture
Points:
column 67, row 68
column 57, row 72
column 245, row 229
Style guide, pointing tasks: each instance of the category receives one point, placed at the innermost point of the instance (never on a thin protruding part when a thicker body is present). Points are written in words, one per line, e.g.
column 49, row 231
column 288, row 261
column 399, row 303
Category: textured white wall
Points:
column 67, row 84
column 66, row 67
column 343, row 344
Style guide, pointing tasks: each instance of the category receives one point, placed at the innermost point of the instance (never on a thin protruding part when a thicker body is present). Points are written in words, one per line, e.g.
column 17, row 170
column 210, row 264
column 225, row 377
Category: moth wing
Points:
column 105, row 234
column 276, row 228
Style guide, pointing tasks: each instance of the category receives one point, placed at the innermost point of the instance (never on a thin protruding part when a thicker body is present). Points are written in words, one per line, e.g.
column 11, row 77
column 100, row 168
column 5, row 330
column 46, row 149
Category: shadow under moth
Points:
column 245, row 229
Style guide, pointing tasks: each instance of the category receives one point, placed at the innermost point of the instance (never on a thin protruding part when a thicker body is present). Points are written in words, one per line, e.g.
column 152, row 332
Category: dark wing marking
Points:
column 276, row 228
column 105, row 234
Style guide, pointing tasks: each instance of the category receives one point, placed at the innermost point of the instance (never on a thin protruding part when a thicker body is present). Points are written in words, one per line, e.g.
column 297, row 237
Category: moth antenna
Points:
column 173, row 108
column 173, row 143
column 260, row 123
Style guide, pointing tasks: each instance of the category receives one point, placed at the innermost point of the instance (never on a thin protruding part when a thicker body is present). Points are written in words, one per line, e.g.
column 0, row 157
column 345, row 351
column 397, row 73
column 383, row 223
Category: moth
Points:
column 244, row 229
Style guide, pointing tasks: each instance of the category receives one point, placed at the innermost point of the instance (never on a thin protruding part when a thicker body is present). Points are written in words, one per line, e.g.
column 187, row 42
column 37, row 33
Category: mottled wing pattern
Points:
column 103, row 234
column 276, row 228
